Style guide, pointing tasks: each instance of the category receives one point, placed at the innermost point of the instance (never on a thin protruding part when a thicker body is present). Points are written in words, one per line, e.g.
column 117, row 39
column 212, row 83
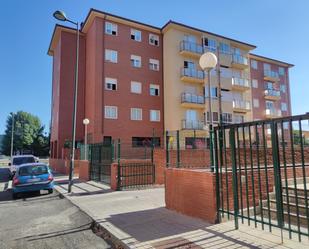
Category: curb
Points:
column 98, row 229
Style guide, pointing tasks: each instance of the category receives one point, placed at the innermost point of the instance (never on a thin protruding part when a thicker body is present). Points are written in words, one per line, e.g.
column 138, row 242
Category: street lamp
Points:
column 12, row 135
column 208, row 61
column 60, row 15
column 86, row 122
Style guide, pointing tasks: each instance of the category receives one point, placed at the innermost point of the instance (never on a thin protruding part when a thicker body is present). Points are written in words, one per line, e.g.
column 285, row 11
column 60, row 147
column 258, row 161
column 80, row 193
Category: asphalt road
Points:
column 43, row 221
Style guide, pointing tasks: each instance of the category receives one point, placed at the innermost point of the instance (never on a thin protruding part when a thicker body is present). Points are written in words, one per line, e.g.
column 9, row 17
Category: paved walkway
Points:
column 139, row 219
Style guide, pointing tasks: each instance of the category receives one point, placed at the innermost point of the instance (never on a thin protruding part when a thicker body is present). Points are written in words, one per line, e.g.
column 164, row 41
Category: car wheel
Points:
column 50, row 191
column 15, row 196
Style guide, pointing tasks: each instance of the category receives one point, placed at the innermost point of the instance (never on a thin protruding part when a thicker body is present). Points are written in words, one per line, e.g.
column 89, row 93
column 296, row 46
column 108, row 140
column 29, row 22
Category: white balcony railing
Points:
column 240, row 82
column 241, row 104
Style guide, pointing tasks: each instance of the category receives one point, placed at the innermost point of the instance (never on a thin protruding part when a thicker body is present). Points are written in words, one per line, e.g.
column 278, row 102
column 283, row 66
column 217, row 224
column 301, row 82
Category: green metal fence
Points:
column 262, row 174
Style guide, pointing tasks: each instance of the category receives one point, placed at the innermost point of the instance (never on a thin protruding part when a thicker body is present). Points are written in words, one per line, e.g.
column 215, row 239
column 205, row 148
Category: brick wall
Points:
column 62, row 166
column 83, row 166
column 191, row 192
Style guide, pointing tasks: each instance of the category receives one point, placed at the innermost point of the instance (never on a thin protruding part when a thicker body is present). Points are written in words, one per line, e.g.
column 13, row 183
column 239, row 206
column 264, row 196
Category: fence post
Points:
column 234, row 173
column 217, row 176
column 277, row 173
column 118, row 166
column 167, row 152
column 194, row 139
column 152, row 144
column 178, row 150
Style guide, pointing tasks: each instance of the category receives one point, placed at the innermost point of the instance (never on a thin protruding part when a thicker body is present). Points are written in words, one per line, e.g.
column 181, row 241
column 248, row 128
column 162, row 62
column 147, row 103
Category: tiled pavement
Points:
column 139, row 219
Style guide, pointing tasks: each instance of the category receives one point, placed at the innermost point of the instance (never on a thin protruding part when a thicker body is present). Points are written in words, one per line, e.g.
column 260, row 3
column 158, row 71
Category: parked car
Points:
column 32, row 177
column 21, row 159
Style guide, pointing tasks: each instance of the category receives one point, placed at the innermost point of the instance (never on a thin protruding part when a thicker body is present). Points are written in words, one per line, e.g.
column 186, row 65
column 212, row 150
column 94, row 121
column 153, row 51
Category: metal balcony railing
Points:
column 192, row 124
column 193, row 73
column 272, row 74
column 239, row 59
column 192, row 98
column 240, row 82
column 272, row 92
column 191, row 47
column 241, row 104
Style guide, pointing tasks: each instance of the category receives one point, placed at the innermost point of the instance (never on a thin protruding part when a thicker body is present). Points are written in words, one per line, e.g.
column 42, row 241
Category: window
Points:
column 227, row 118
column 155, row 115
column 256, row 103
column 154, row 90
column 283, row 88
column 254, row 64
column 284, row 107
column 136, row 87
column 266, row 67
column 110, row 28
column 215, row 116
column 224, row 48
column 189, row 64
column 239, row 119
column 136, row 61
column 154, row 64
column 281, row 71
column 111, row 84
column 136, row 114
column 145, row 141
column 213, row 90
column 111, row 112
column 111, row 55
column 195, row 143
column 270, row 105
column 136, row 35
column 255, row 83
column 211, row 44
column 153, row 39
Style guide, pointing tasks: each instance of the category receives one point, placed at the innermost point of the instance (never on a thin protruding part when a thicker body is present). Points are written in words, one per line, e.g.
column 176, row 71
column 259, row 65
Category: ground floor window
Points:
column 145, row 141
column 195, row 143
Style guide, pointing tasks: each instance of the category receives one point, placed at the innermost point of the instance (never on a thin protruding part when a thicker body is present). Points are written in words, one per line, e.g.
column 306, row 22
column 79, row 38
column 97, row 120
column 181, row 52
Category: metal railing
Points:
column 262, row 174
column 242, row 104
column 239, row 59
column 192, row 98
column 192, row 124
column 191, row 47
column 272, row 92
column 270, row 73
column 240, row 82
column 273, row 112
column 192, row 73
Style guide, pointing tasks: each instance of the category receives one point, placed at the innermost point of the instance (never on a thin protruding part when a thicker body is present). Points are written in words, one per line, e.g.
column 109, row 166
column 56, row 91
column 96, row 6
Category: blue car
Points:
column 32, row 177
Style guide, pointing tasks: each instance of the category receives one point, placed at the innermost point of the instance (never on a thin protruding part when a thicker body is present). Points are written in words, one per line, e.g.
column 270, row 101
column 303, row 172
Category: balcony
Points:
column 241, row 106
column 192, row 124
column 191, row 49
column 192, row 75
column 239, row 61
column 190, row 100
column 272, row 113
column 271, row 75
column 272, row 94
column 240, row 84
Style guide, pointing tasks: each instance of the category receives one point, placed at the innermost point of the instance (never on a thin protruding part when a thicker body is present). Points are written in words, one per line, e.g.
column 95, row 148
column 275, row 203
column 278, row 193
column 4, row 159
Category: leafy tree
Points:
column 28, row 135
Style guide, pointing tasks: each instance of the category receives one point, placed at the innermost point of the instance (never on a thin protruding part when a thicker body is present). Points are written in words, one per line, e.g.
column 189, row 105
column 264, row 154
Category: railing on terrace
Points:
column 239, row 59
column 236, row 81
column 193, row 73
column 192, row 98
column 191, row 47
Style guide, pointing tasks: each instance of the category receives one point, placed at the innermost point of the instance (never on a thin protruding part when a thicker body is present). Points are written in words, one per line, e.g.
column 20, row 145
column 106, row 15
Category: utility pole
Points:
column 12, row 135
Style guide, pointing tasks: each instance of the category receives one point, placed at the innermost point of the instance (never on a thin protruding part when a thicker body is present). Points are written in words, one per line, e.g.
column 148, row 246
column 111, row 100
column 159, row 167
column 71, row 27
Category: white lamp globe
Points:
column 86, row 121
column 208, row 61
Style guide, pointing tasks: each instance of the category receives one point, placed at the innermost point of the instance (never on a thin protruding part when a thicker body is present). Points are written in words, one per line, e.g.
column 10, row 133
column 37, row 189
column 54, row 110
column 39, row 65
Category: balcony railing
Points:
column 192, row 73
column 240, row 82
column 239, row 59
column 192, row 124
column 271, row 74
column 192, row 98
column 273, row 112
column 241, row 104
column 191, row 47
column 272, row 93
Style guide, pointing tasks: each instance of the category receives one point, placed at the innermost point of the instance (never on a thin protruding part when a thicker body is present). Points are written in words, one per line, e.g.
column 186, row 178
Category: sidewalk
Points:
column 138, row 219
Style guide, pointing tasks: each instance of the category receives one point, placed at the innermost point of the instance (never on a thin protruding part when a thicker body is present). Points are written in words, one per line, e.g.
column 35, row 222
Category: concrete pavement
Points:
column 139, row 219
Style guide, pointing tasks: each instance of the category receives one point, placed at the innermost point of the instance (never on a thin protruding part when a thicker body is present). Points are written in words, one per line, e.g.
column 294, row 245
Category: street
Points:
column 43, row 221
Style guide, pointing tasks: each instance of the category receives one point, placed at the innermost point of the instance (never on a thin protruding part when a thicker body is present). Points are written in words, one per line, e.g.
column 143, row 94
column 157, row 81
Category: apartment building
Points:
column 120, row 82
column 135, row 78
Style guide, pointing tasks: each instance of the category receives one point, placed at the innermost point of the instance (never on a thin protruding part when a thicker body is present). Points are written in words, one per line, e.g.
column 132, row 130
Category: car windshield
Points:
column 22, row 160
column 33, row 170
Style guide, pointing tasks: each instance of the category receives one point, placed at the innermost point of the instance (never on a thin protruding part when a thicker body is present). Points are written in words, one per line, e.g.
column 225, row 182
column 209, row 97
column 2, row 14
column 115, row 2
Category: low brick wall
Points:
column 83, row 170
column 62, row 166
column 191, row 192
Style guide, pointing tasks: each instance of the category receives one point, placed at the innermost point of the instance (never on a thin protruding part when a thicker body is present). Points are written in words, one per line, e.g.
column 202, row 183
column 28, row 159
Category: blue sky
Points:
column 279, row 28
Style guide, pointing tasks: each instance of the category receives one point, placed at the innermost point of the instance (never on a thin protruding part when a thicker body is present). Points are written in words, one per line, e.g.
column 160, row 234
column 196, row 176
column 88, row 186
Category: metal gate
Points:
column 262, row 173
column 101, row 158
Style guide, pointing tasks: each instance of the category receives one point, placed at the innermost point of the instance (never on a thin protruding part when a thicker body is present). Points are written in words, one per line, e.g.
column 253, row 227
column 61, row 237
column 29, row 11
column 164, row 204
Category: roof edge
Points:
column 274, row 60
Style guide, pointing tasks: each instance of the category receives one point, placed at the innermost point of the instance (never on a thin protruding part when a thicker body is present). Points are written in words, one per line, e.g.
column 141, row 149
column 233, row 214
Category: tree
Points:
column 28, row 135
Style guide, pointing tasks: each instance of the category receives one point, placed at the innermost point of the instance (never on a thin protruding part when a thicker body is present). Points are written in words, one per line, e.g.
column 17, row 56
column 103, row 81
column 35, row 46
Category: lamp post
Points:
column 12, row 135
column 208, row 61
column 86, row 122
column 59, row 15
